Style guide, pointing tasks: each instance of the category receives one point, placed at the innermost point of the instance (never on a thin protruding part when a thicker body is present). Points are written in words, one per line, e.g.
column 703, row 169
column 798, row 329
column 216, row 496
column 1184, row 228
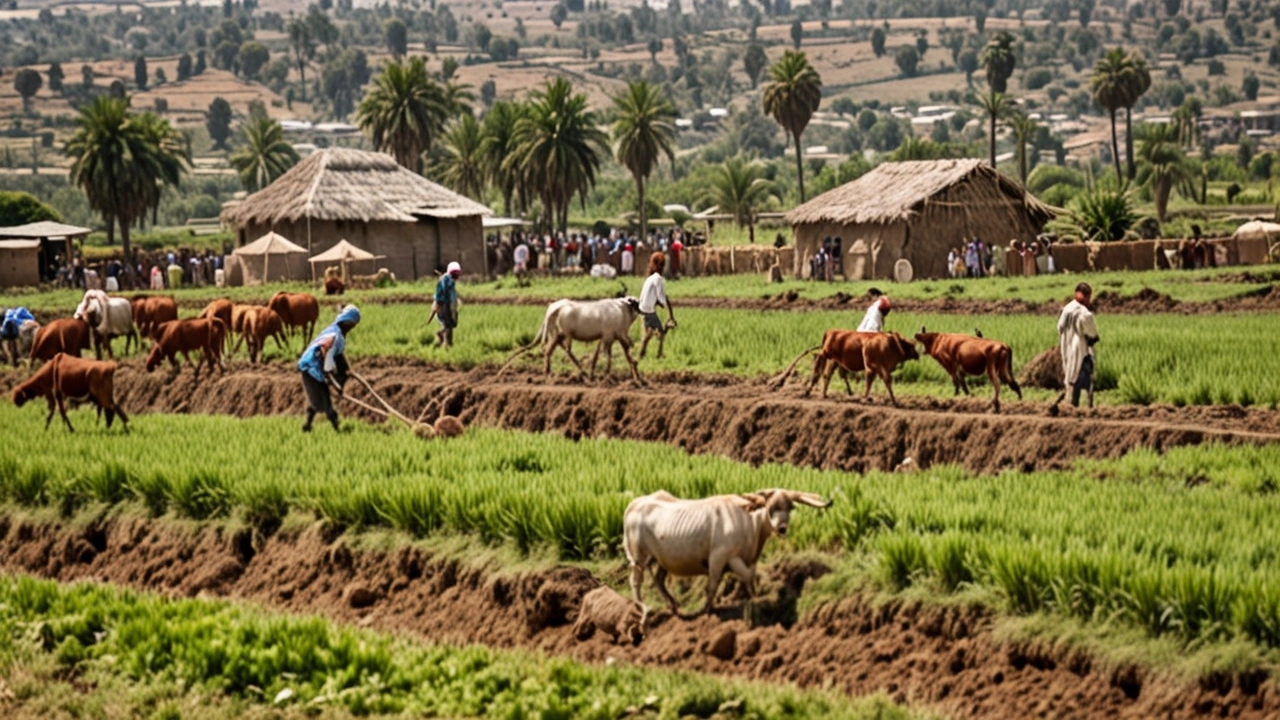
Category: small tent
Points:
column 271, row 258
column 345, row 254
column 1256, row 240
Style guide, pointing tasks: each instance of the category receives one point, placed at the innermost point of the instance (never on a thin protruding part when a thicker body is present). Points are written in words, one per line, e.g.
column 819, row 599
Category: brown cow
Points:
column 260, row 324
column 297, row 310
column 840, row 350
column 882, row 353
column 183, row 336
column 220, row 309
column 151, row 311
column 962, row 355
column 69, row 335
column 66, row 377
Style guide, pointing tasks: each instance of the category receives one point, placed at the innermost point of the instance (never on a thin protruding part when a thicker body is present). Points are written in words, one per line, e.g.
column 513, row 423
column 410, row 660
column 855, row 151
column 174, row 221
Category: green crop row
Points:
column 1182, row 544
column 1193, row 286
column 195, row 650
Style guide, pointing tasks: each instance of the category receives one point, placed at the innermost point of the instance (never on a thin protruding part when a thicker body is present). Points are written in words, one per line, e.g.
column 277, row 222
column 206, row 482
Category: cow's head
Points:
column 906, row 348
column 155, row 357
column 23, row 393
column 777, row 505
column 633, row 303
column 926, row 338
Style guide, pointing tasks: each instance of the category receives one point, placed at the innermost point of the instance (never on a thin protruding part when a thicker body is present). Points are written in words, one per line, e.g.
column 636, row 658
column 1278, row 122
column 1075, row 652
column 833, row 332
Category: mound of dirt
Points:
column 1044, row 371
column 942, row 657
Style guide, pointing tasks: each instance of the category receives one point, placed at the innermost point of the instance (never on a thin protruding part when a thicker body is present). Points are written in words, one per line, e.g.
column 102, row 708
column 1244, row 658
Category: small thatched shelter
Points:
column 339, row 193
column 916, row 211
column 270, row 258
column 346, row 255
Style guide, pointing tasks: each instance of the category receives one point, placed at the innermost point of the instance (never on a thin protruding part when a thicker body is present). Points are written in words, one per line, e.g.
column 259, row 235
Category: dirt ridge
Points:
column 931, row 656
column 742, row 419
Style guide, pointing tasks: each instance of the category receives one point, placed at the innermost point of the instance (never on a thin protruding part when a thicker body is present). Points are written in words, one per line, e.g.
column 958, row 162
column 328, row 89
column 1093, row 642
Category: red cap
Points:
column 884, row 303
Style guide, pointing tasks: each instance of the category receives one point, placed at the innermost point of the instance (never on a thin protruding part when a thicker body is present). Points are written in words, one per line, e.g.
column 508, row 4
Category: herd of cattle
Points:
column 100, row 318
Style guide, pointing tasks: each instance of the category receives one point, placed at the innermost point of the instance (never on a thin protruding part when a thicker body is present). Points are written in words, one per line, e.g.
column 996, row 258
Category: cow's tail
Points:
column 1006, row 369
column 782, row 379
column 538, row 339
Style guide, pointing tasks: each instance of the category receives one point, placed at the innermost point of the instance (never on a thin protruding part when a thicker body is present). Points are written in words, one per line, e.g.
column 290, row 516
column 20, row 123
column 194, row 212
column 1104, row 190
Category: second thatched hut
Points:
column 366, row 197
column 916, row 211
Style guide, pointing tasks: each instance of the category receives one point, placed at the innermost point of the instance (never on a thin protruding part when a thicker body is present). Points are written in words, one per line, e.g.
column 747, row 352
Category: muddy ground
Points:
column 742, row 419
column 942, row 658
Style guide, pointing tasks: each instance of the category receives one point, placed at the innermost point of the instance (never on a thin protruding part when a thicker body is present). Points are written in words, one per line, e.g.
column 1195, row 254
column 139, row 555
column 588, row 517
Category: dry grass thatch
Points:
column 353, row 186
column 896, row 191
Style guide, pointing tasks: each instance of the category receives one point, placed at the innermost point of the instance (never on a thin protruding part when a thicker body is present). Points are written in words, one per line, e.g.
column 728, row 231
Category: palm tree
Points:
column 792, row 97
column 497, row 144
column 644, row 131
column 122, row 161
column 1111, row 88
column 997, row 106
column 558, row 146
column 1139, row 81
column 404, row 112
column 1160, row 149
column 1024, row 128
column 462, row 167
column 739, row 189
column 265, row 154
column 999, row 58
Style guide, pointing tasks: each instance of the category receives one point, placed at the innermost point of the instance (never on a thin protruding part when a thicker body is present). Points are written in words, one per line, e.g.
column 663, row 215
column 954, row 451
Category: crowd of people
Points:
column 525, row 254
column 162, row 270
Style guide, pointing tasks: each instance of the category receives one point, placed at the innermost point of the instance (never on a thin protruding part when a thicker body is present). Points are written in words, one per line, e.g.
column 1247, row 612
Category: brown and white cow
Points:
column 182, row 336
column 66, row 377
column 961, row 355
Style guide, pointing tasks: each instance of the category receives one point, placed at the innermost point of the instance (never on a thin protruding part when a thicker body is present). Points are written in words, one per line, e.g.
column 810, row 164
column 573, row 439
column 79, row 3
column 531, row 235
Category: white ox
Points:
column 607, row 321
column 108, row 317
column 687, row 538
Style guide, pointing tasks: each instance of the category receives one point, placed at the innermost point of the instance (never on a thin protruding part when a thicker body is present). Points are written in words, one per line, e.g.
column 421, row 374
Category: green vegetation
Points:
column 1180, row 546
column 95, row 650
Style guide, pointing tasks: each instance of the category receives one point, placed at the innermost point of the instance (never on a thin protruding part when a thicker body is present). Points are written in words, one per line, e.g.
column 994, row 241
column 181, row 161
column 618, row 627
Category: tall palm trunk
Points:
column 799, row 172
column 1128, row 142
column 124, row 243
column 1022, row 160
column 1163, row 186
column 993, row 140
column 1115, row 148
column 111, row 230
column 644, row 211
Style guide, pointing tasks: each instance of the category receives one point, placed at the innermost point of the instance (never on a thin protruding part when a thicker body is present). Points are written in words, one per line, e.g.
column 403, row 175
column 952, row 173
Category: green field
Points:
column 87, row 650
column 1190, row 286
column 1179, row 547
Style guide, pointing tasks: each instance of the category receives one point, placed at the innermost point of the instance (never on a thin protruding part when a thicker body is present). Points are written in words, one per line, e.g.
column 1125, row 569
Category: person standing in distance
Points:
column 873, row 321
column 1077, row 334
column 446, row 304
column 652, row 296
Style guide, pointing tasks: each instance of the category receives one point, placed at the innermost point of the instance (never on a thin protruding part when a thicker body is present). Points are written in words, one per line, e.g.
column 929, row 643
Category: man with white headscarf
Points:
column 1077, row 334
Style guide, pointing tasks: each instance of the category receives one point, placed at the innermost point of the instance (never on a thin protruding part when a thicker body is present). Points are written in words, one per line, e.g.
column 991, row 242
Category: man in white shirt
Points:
column 1077, row 333
column 652, row 296
column 873, row 321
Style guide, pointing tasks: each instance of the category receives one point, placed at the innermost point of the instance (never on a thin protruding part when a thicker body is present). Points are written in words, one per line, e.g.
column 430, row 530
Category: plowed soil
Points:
column 742, row 419
column 944, row 658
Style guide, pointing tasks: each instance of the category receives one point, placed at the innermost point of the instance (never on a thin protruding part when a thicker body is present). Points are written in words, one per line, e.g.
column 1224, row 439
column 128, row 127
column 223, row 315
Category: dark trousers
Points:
column 318, row 401
column 1084, row 381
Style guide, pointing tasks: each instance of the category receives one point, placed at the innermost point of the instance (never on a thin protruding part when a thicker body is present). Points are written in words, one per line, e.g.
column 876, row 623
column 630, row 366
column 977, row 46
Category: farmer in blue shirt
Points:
column 446, row 304
column 325, row 361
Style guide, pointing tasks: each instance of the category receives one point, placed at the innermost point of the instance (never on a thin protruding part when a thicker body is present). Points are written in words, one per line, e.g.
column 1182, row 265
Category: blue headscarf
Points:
column 311, row 361
column 13, row 320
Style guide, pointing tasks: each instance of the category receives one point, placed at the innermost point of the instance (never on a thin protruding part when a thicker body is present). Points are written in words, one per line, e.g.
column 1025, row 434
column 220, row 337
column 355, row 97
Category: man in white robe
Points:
column 1077, row 334
column 873, row 321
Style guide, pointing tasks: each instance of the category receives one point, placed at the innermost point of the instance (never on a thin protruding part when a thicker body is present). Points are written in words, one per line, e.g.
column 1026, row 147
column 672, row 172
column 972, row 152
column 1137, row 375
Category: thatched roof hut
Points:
column 339, row 193
column 915, row 211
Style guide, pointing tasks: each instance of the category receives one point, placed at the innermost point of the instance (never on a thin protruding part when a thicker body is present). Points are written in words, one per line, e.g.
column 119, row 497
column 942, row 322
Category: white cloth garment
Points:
column 873, row 321
column 1076, row 329
column 653, row 293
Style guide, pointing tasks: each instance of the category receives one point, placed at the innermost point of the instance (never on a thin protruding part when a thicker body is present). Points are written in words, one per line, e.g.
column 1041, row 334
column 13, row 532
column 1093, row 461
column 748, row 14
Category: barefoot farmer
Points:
column 1077, row 334
column 325, row 361
column 652, row 296
column 445, row 306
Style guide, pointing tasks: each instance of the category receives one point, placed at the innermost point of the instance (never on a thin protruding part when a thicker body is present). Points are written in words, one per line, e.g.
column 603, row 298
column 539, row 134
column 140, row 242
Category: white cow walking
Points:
column 687, row 538
column 108, row 317
column 607, row 321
